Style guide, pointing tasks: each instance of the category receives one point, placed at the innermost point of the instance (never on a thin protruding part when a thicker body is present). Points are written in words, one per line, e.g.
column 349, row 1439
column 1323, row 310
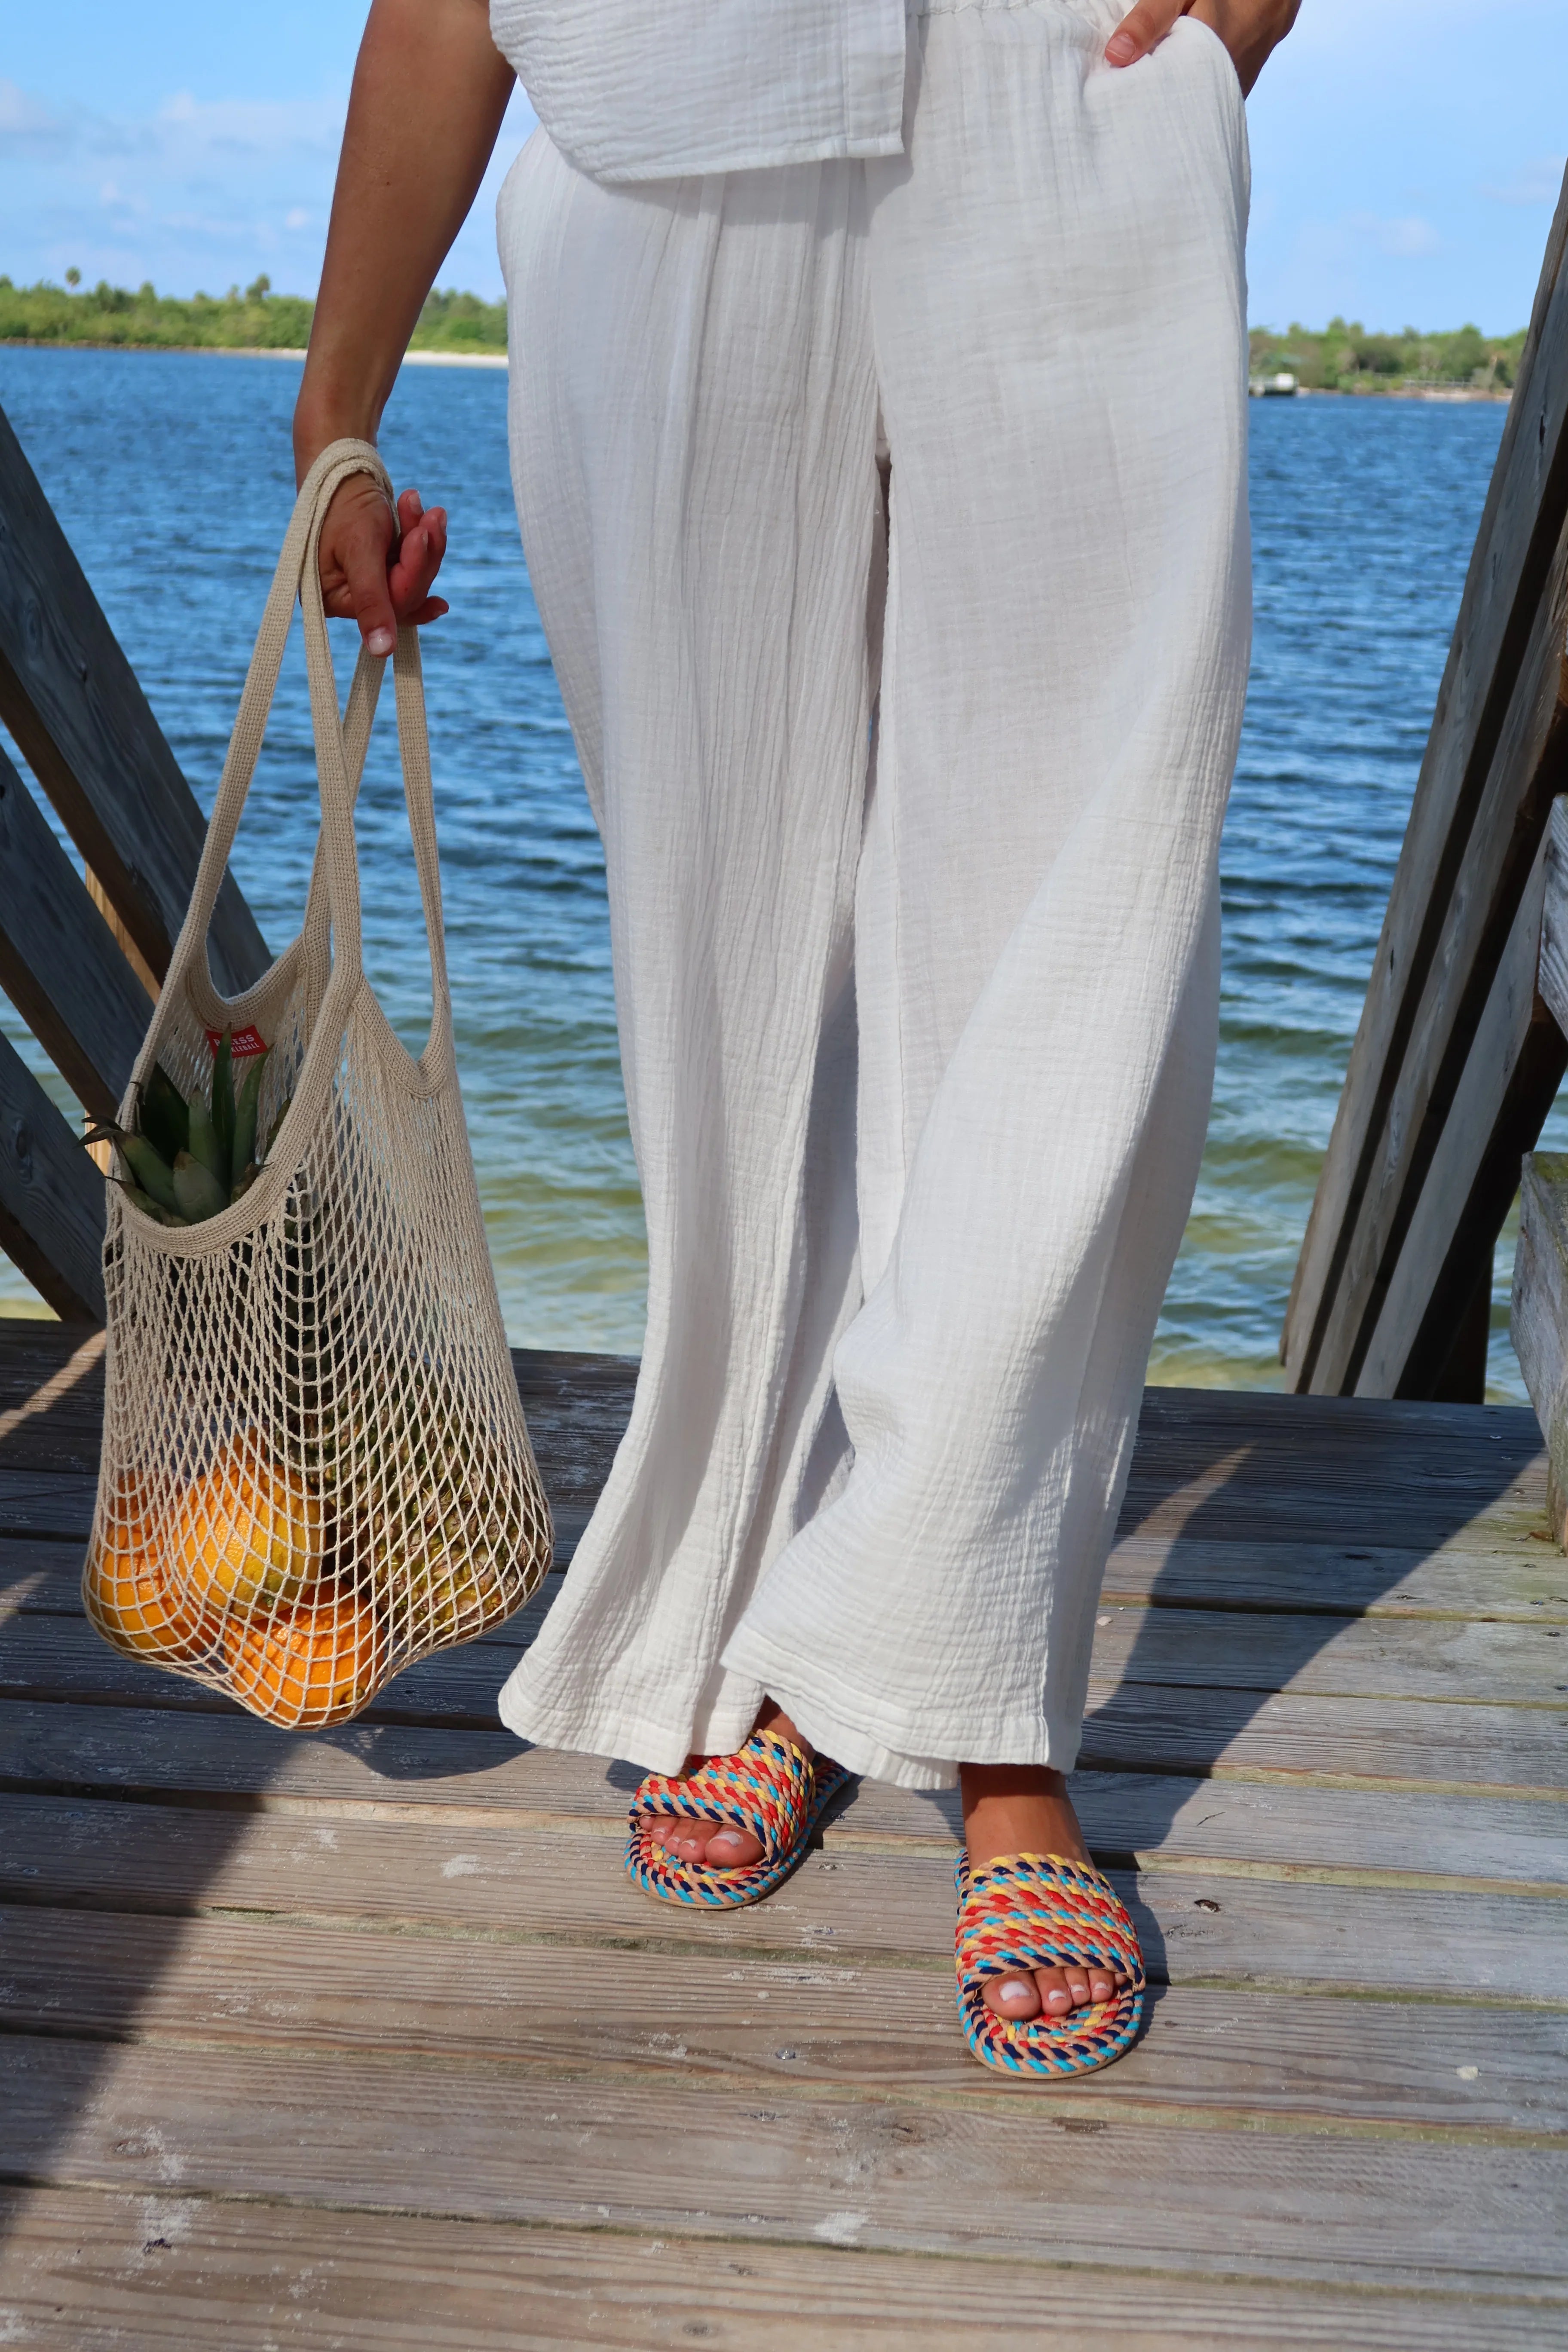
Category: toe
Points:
column 1056, row 1998
column 1077, row 1984
column 1013, row 1995
column 733, row 1850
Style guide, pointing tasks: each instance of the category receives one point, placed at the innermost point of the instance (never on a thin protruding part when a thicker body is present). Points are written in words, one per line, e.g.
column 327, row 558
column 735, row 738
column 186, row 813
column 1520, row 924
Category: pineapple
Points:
column 188, row 1161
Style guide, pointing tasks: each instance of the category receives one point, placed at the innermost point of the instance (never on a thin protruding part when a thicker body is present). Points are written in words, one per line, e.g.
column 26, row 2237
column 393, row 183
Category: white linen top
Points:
column 653, row 90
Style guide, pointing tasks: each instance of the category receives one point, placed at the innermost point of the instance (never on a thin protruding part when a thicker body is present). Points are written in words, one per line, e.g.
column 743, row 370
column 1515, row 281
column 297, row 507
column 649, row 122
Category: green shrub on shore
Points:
column 254, row 319
column 1341, row 357
column 1344, row 357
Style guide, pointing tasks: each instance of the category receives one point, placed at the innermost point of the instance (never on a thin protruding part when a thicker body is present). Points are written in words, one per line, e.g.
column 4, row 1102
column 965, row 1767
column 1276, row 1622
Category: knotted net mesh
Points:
column 315, row 1464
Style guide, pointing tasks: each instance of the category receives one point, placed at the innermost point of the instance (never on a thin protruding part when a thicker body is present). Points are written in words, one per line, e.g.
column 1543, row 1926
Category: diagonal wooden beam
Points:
column 58, row 962
column 70, row 699
column 1390, row 1240
column 51, row 1197
column 1346, row 1267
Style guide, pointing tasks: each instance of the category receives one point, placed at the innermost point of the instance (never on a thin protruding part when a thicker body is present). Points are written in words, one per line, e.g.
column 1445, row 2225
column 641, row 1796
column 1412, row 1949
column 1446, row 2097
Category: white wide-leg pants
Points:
column 912, row 842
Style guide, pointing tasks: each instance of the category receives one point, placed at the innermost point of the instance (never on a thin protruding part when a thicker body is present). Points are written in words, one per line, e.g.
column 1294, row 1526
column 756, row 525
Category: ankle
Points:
column 772, row 1717
column 1017, row 1809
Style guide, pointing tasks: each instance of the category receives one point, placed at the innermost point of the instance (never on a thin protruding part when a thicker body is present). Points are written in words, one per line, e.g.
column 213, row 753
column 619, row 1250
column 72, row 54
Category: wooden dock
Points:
column 365, row 2040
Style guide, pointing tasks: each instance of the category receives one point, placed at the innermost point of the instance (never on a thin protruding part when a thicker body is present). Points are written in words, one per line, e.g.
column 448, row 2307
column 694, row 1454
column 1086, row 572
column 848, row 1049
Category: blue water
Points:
column 170, row 474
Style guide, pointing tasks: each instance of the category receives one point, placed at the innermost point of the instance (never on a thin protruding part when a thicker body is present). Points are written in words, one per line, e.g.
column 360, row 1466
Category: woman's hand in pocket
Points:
column 377, row 569
column 1250, row 29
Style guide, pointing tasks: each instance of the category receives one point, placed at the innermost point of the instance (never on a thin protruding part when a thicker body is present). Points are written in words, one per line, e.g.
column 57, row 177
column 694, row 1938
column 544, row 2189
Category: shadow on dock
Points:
column 130, row 1793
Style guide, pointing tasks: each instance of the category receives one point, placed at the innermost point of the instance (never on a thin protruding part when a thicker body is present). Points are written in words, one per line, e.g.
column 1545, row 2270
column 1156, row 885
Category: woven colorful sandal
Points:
column 768, row 1787
column 1040, row 1911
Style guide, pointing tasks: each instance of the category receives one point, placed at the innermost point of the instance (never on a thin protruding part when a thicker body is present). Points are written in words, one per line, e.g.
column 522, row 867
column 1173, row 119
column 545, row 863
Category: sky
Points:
column 1406, row 153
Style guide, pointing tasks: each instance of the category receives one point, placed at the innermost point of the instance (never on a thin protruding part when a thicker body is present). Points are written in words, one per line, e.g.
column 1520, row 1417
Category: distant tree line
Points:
column 1344, row 357
column 252, row 319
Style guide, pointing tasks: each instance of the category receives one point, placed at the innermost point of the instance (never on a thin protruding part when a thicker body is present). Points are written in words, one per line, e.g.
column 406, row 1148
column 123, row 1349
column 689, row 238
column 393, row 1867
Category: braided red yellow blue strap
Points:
column 1041, row 1911
column 769, row 1787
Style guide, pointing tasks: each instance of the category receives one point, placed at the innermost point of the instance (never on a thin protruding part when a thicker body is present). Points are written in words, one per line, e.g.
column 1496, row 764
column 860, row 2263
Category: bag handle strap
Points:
column 341, row 743
column 340, row 771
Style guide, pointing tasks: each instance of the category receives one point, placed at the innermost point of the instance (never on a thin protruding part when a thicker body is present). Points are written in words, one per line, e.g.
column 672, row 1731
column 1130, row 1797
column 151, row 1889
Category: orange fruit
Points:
column 132, row 1601
column 312, row 1661
column 248, row 1531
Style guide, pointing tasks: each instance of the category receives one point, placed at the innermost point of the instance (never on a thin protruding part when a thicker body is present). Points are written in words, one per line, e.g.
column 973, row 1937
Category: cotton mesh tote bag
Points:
column 315, row 1464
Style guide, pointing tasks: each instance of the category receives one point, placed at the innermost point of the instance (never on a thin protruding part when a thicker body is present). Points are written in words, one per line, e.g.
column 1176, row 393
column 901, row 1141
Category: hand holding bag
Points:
column 315, row 1466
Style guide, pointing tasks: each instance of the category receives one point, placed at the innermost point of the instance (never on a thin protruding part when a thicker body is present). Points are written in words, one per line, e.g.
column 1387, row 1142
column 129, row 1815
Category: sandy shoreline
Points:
column 254, row 352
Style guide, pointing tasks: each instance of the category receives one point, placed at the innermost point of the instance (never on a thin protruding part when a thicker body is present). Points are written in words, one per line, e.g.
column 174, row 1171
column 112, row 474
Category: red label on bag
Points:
column 242, row 1044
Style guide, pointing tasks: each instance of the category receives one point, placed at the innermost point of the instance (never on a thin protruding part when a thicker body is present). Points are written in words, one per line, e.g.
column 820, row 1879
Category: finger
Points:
column 417, row 563
column 356, row 544
column 370, row 603
column 1141, row 30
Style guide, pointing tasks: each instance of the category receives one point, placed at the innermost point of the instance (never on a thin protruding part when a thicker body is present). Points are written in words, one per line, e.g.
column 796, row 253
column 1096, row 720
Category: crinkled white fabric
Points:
column 645, row 89
column 918, row 1062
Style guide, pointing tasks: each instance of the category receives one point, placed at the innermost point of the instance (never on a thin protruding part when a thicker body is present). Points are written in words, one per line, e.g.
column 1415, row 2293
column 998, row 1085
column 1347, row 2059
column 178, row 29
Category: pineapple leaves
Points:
column 186, row 1159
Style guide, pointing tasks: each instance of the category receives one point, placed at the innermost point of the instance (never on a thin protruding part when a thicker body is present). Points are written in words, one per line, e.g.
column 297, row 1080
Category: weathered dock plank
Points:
column 305, row 1988
column 402, row 1769
column 1459, row 2211
column 92, row 2272
column 1323, row 1761
column 1253, row 1926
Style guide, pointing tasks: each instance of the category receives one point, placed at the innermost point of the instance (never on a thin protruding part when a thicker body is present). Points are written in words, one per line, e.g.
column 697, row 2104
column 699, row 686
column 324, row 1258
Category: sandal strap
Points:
column 1043, row 1911
column 766, row 1788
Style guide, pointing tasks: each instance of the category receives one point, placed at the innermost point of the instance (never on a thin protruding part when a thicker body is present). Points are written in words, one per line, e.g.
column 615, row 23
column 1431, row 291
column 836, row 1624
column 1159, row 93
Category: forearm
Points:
column 430, row 91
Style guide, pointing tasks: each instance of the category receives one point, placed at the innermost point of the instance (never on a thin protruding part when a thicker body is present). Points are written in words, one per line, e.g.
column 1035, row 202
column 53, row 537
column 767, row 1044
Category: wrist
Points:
column 316, row 428
column 326, row 412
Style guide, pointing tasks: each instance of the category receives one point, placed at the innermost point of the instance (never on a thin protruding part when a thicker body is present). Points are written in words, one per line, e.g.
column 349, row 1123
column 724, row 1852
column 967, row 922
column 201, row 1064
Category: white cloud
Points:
column 1401, row 240
column 182, row 132
column 26, row 122
column 191, row 192
column 184, row 123
column 1539, row 183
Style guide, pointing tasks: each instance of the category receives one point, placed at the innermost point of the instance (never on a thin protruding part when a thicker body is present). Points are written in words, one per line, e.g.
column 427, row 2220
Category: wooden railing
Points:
column 78, row 959
column 1458, row 1058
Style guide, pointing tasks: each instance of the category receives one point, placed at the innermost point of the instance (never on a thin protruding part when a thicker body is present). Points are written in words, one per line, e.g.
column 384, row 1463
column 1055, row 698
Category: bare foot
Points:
column 1025, row 1809
column 685, row 1840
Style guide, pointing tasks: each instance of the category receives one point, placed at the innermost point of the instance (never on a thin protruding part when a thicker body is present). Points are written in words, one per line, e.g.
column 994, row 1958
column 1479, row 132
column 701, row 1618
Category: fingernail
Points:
column 380, row 641
column 1121, row 49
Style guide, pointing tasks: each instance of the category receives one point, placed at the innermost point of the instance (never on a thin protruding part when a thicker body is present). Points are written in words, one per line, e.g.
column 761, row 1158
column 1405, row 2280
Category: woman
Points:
column 877, row 420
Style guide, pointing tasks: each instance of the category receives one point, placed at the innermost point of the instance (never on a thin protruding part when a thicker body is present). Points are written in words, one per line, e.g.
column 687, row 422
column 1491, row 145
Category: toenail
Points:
column 1014, row 1989
column 1057, row 1999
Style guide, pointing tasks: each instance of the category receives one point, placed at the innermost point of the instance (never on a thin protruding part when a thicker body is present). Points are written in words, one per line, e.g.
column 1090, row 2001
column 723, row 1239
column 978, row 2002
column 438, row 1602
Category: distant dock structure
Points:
column 1282, row 385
